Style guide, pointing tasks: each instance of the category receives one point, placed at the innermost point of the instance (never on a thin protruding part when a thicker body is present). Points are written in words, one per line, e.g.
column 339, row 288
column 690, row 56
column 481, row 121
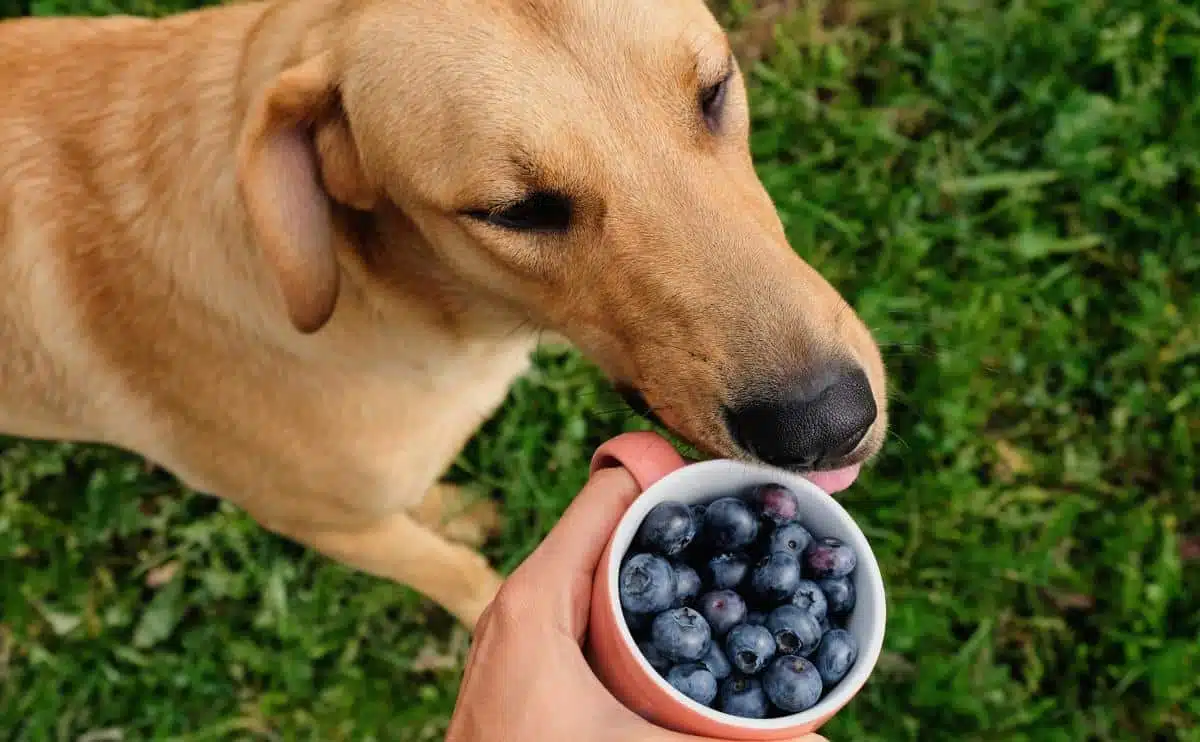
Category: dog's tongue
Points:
column 836, row 480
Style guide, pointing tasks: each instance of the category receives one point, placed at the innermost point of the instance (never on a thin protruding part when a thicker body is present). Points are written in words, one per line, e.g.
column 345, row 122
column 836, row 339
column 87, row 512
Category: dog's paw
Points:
column 460, row 515
column 478, row 522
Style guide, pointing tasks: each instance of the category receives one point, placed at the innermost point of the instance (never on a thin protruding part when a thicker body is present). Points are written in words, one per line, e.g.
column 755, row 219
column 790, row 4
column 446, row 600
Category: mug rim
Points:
column 876, row 619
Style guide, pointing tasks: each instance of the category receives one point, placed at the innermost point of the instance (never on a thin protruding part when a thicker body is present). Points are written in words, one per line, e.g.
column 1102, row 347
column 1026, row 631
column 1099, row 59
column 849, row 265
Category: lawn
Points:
column 1008, row 192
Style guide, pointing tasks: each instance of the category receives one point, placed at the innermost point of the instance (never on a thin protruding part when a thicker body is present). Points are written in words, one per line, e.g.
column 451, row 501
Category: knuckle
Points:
column 485, row 618
column 511, row 606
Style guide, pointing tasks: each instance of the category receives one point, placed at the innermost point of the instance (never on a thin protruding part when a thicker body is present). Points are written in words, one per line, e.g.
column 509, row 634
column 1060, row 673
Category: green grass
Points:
column 1009, row 193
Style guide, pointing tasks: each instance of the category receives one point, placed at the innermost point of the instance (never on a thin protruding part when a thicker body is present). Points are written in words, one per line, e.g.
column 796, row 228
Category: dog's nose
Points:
column 817, row 418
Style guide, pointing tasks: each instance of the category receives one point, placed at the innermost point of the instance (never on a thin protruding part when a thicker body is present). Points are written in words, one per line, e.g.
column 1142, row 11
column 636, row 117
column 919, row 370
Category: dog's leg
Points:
column 458, row 514
column 398, row 548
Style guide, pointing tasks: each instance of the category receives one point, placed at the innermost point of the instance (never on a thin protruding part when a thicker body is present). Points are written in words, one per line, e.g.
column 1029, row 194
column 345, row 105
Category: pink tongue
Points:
column 836, row 480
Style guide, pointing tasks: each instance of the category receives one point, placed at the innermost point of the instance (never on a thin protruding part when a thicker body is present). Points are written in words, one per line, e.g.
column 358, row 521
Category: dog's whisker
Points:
column 692, row 353
column 910, row 350
column 842, row 313
column 623, row 411
column 521, row 327
column 892, row 435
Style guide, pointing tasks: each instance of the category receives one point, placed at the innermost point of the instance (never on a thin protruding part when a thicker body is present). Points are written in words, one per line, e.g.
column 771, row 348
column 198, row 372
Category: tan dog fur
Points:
column 233, row 241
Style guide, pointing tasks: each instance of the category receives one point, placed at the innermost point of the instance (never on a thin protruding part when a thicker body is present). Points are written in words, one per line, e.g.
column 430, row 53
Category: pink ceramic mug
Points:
column 663, row 475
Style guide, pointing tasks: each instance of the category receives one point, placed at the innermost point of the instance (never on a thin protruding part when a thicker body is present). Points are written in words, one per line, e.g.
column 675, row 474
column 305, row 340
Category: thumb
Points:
column 621, row 468
column 557, row 576
column 555, row 581
column 571, row 550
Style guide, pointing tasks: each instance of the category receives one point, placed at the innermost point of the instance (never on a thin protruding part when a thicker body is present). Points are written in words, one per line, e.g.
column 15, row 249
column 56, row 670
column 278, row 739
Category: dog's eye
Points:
column 541, row 212
column 712, row 102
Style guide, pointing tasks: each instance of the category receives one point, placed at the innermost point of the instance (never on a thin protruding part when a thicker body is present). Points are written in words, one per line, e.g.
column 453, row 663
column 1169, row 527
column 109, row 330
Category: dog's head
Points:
column 583, row 164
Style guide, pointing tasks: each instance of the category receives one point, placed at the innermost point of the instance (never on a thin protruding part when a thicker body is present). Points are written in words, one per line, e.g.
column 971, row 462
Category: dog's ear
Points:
column 296, row 157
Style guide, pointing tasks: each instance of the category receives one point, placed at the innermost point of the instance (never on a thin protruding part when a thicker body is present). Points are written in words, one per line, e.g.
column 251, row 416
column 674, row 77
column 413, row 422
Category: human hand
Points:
column 526, row 676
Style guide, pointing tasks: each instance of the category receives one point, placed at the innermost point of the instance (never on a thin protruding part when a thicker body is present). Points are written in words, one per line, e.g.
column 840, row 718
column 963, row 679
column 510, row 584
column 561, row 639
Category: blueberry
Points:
column 723, row 609
column 729, row 524
column 756, row 618
column 835, row 655
column 716, row 662
column 726, row 571
column 839, row 591
column 795, row 630
column 829, row 557
column 698, row 511
column 693, row 680
column 646, row 584
column 654, row 657
column 681, row 634
column 810, row 597
column 743, row 696
column 792, row 683
column 687, row 584
column 790, row 537
column 749, row 647
column 777, row 503
column 775, row 577
column 667, row 529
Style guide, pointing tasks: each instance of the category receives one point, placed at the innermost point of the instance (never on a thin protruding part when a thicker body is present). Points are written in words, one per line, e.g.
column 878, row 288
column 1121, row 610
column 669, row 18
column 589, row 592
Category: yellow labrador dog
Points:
column 296, row 252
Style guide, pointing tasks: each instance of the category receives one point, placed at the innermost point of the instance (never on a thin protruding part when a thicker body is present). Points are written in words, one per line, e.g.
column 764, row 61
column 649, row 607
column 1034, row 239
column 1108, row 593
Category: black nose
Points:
column 812, row 420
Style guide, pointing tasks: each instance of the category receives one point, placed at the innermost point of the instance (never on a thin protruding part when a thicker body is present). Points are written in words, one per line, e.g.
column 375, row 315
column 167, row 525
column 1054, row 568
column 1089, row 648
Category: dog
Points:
column 295, row 252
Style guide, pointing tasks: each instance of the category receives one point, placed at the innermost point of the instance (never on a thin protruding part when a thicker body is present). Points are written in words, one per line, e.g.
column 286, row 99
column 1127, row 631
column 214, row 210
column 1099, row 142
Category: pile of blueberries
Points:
column 738, row 606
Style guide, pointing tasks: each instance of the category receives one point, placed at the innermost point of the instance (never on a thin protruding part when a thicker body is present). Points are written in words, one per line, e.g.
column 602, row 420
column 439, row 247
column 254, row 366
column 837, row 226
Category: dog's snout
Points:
column 809, row 422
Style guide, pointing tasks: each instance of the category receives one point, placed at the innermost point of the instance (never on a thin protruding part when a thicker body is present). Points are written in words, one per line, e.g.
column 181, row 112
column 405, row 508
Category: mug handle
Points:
column 647, row 456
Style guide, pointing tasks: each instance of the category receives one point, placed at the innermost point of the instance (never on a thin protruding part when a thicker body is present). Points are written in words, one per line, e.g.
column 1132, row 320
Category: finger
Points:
column 557, row 576
column 641, row 459
column 574, row 545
